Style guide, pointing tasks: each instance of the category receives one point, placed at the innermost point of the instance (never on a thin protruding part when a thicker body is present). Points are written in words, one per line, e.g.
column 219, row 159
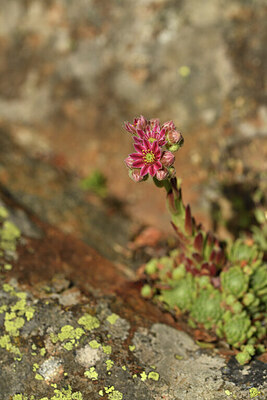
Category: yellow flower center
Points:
column 151, row 139
column 149, row 156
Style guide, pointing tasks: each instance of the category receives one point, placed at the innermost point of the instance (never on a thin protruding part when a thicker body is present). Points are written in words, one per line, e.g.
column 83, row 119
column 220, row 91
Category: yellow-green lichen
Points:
column 8, row 288
column 143, row 376
column 42, row 351
column 64, row 394
column 9, row 234
column 3, row 213
column 8, row 267
column 35, row 367
column 254, row 392
column 94, row 344
column 115, row 395
column 39, row 377
column 109, row 389
column 112, row 318
column 123, row 367
column 112, row 393
column 109, row 364
column 13, row 324
column 91, row 374
column 89, row 322
column 3, row 308
column 107, row 349
column 153, row 375
column 69, row 345
column 68, row 333
column 101, row 393
column 132, row 347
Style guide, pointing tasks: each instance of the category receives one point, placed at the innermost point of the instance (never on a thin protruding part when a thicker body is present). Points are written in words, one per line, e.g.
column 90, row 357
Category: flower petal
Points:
column 138, row 147
column 144, row 170
column 147, row 145
column 157, row 165
column 154, row 146
column 141, row 133
column 152, row 170
column 136, row 156
column 138, row 164
column 137, row 140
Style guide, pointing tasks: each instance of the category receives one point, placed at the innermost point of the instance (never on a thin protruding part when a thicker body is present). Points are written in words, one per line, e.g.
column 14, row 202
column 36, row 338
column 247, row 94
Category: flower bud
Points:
column 134, row 174
column 129, row 162
column 169, row 126
column 162, row 174
column 174, row 137
column 174, row 147
column 141, row 122
column 129, row 127
column 167, row 159
column 154, row 123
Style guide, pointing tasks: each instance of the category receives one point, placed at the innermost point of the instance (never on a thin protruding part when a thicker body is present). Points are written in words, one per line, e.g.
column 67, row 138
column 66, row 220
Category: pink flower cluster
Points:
column 154, row 145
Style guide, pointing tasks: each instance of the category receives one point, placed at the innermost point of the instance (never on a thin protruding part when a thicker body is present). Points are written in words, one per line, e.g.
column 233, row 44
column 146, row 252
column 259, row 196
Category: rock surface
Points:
column 72, row 326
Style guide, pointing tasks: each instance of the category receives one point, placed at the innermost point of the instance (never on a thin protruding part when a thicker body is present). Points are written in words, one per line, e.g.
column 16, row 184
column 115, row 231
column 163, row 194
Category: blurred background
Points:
column 72, row 71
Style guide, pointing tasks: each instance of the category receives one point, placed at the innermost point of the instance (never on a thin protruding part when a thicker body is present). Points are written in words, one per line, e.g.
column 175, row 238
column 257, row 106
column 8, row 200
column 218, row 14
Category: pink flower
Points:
column 167, row 159
column 156, row 134
column 139, row 123
column 147, row 157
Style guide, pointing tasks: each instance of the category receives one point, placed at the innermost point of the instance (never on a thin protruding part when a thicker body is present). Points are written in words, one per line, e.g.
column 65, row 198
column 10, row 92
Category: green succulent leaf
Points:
column 234, row 281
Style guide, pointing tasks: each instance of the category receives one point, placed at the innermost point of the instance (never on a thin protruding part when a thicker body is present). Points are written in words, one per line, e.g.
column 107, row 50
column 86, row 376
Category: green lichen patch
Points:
column 153, row 375
column 3, row 213
column 107, row 349
column 254, row 392
column 91, row 374
column 63, row 394
column 5, row 343
column 112, row 318
column 112, row 393
column 9, row 234
column 109, row 364
column 15, row 317
column 89, row 322
column 35, row 367
column 68, row 334
column 94, row 344
column 42, row 351
column 143, row 376
column 39, row 377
